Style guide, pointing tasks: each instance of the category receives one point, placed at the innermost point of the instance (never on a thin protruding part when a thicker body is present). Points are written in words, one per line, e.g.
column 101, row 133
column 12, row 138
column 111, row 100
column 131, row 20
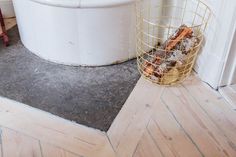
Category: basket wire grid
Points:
column 169, row 37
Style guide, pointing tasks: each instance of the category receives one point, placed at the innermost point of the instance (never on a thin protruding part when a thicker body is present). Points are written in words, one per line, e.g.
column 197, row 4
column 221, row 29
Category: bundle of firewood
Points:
column 172, row 53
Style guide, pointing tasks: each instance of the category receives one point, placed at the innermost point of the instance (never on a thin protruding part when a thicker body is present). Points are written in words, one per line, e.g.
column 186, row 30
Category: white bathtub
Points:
column 78, row 32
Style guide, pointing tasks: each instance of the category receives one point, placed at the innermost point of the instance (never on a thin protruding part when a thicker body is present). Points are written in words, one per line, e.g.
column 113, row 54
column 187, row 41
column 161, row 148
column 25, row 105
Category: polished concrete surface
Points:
column 89, row 96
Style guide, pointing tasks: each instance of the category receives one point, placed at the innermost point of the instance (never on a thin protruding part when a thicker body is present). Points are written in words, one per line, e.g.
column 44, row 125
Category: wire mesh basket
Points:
column 169, row 36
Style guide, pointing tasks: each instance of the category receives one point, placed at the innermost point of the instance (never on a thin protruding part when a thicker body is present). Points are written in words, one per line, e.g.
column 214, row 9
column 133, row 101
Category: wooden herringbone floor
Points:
column 188, row 120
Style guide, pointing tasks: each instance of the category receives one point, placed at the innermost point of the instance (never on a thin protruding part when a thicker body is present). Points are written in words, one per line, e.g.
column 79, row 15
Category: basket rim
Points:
column 204, row 23
column 199, row 1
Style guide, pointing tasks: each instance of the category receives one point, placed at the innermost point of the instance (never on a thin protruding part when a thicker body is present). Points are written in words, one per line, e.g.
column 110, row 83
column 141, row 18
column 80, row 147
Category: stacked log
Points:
column 172, row 53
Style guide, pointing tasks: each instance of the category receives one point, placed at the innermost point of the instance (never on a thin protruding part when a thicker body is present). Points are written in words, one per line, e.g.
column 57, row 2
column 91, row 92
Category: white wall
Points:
column 212, row 59
column 229, row 72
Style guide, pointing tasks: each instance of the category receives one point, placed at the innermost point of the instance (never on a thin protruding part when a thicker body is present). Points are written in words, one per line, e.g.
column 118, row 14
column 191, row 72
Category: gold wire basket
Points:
column 169, row 36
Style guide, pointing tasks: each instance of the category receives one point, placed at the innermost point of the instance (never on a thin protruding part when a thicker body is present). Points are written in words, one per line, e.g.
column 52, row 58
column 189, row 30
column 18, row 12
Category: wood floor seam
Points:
column 152, row 106
column 111, row 145
column 187, row 134
column 135, row 150
column 22, row 133
column 209, row 117
column 155, row 143
column 139, row 140
column 40, row 146
column 221, row 120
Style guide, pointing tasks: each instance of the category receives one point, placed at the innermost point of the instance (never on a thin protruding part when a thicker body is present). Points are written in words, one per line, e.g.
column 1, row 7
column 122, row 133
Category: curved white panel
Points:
column 84, row 3
column 103, row 3
column 60, row 3
column 77, row 36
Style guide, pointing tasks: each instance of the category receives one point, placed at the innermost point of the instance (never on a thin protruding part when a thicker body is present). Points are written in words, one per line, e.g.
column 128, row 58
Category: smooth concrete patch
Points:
column 89, row 96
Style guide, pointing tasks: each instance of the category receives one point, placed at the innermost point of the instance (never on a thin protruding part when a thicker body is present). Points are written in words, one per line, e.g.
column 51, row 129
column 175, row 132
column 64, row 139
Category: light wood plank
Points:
column 134, row 132
column 147, row 147
column 15, row 144
column 51, row 122
column 9, row 23
column 129, row 125
column 160, row 140
column 169, row 135
column 57, row 131
column 209, row 139
column 230, row 95
column 214, row 106
column 53, row 151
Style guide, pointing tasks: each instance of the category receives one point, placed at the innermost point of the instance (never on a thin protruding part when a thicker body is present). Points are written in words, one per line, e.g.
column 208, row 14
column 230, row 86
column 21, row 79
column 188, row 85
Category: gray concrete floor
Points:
column 89, row 96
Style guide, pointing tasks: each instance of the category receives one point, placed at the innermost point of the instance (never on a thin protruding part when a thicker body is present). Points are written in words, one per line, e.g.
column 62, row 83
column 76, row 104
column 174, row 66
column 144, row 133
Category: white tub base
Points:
column 91, row 36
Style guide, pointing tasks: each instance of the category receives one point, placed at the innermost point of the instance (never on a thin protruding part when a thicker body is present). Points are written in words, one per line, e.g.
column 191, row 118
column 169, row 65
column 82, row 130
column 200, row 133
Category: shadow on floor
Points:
column 89, row 96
